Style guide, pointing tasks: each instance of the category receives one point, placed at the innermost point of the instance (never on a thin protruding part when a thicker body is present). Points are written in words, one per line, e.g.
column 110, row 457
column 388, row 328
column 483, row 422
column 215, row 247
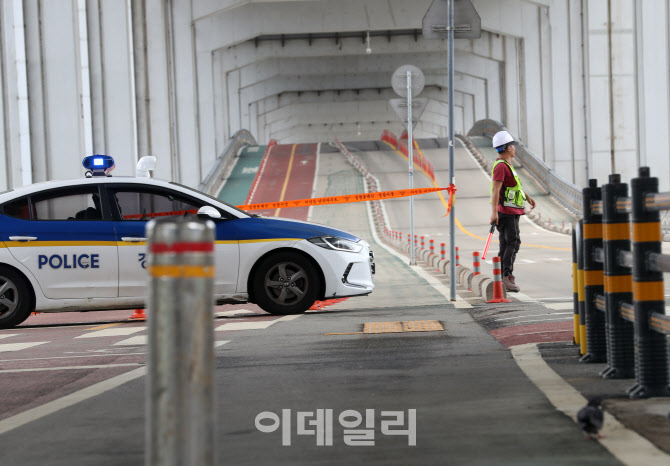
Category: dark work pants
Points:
column 510, row 240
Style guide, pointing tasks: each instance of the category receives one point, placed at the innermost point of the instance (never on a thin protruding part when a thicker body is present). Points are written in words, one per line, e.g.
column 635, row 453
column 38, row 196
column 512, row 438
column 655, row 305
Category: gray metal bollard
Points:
column 180, row 388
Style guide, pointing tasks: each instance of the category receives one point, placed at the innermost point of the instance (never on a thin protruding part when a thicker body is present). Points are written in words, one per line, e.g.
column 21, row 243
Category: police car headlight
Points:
column 338, row 244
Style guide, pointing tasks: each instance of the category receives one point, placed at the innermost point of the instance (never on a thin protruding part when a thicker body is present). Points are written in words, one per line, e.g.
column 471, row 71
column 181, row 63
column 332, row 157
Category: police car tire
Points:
column 20, row 293
column 267, row 297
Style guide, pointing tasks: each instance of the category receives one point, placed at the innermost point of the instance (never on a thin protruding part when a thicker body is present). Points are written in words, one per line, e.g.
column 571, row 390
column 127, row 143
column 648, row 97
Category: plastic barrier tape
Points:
column 381, row 195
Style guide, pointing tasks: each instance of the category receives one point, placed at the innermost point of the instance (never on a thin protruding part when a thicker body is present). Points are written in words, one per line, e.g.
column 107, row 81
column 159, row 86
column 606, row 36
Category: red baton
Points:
column 488, row 240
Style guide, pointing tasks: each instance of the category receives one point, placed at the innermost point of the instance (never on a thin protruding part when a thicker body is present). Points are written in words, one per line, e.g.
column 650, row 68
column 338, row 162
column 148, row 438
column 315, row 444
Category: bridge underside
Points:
column 177, row 79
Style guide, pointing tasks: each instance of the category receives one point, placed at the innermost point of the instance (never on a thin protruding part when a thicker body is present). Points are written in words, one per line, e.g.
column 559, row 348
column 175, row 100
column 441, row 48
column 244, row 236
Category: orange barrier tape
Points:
column 452, row 197
column 381, row 195
column 160, row 214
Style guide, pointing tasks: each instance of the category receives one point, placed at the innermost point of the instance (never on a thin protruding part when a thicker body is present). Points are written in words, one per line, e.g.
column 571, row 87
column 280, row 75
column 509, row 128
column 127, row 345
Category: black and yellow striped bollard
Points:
column 651, row 357
column 618, row 282
column 596, row 341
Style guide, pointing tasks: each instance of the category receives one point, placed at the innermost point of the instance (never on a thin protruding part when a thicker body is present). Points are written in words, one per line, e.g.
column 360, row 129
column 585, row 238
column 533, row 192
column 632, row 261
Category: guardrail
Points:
column 564, row 191
column 402, row 145
column 212, row 183
column 619, row 294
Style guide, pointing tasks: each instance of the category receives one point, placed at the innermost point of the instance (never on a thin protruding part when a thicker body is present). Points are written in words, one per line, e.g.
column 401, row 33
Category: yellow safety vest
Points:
column 513, row 196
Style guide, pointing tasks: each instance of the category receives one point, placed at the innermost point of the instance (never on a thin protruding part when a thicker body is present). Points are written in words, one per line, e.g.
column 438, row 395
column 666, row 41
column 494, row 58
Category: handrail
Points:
column 212, row 181
column 619, row 266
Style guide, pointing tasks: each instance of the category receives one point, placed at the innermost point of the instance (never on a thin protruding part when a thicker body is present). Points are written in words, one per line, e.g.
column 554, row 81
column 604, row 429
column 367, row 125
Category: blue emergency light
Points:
column 98, row 165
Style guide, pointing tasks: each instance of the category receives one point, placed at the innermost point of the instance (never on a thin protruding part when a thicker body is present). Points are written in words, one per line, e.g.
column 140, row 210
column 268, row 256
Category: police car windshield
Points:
column 246, row 214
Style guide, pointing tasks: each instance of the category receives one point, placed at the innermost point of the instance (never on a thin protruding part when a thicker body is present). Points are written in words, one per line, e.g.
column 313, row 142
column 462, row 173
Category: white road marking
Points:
column 543, row 321
column 112, row 332
column 522, row 297
column 287, row 318
column 220, row 343
column 56, row 405
column 558, row 306
column 237, row 312
column 132, row 341
column 525, row 261
column 68, row 368
column 75, row 357
column 627, row 446
column 533, row 315
column 7, row 347
column 7, row 335
column 245, row 325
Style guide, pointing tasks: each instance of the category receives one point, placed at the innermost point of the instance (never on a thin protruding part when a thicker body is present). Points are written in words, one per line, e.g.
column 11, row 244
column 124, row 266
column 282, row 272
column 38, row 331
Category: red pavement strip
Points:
column 300, row 181
column 535, row 333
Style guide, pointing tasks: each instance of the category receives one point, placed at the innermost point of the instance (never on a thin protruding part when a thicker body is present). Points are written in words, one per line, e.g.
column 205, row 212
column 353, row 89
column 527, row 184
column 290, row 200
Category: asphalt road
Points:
column 473, row 404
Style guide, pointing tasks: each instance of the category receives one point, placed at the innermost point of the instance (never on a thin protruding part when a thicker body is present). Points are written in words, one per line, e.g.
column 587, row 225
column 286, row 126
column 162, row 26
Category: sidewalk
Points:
column 648, row 418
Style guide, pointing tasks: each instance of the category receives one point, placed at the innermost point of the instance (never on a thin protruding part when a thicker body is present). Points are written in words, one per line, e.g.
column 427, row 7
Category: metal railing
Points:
column 212, row 183
column 619, row 292
column 564, row 191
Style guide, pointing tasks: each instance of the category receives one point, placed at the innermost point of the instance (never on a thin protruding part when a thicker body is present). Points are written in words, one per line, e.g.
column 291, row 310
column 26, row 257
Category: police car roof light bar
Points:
column 98, row 165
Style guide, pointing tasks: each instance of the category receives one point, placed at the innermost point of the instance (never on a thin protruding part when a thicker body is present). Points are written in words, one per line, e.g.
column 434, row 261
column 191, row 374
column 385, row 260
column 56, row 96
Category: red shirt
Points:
column 502, row 173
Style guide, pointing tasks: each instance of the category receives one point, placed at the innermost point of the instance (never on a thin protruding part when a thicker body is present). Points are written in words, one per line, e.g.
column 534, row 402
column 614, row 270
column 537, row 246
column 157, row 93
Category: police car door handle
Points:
column 22, row 238
column 133, row 239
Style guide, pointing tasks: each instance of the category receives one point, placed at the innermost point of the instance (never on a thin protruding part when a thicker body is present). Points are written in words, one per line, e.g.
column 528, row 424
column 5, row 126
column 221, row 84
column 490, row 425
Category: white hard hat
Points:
column 501, row 138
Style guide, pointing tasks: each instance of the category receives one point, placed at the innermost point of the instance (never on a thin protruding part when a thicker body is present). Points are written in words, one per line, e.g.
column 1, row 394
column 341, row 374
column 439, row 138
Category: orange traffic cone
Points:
column 498, row 294
column 139, row 315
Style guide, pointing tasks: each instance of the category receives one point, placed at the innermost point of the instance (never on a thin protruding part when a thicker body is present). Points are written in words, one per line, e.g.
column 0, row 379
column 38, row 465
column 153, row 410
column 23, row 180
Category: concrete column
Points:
column 15, row 161
column 112, row 83
column 613, row 126
column 159, row 99
column 186, row 91
column 54, row 64
column 653, row 48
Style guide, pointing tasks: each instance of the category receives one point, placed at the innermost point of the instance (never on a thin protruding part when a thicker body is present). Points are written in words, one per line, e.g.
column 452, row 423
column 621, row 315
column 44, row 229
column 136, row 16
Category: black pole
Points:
column 580, row 287
column 651, row 357
column 618, row 283
column 575, row 287
column 596, row 346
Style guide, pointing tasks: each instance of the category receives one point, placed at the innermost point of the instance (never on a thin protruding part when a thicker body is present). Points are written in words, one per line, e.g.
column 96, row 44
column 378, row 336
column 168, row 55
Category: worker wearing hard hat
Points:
column 508, row 199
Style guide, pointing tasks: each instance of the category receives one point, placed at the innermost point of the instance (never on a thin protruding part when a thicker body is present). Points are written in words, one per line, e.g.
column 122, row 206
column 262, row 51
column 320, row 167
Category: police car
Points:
column 80, row 245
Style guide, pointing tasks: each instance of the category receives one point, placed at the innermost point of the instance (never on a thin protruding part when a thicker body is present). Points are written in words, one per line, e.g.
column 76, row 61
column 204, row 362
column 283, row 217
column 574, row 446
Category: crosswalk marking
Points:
column 7, row 347
column 237, row 312
column 245, row 325
column 137, row 340
column 142, row 340
column 523, row 316
column 559, row 306
column 7, row 335
column 62, row 368
column 112, row 332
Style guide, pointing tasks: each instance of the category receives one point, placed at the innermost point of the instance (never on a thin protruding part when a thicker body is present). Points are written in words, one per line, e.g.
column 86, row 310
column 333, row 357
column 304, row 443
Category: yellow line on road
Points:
column 288, row 175
column 100, row 327
column 458, row 223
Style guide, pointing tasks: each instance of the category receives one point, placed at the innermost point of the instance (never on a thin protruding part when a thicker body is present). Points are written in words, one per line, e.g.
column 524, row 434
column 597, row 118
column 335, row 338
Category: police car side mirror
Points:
column 209, row 212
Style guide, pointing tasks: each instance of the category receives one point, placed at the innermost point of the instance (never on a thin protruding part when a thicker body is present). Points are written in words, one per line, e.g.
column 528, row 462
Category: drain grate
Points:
column 403, row 326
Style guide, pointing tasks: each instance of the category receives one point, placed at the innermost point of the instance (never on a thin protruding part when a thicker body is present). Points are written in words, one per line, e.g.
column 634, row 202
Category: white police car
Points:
column 80, row 245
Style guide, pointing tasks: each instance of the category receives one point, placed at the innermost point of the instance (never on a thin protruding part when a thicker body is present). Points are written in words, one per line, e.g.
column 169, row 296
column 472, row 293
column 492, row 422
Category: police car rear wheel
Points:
column 285, row 283
column 16, row 302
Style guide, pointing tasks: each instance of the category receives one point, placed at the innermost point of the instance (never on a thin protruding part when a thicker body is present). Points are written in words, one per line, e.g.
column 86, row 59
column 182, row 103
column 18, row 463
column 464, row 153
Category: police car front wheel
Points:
column 285, row 283
column 16, row 301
